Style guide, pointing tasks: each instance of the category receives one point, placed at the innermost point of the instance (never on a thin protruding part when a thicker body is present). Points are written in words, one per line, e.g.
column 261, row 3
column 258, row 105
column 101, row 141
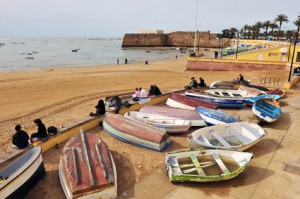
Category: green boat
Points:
column 206, row 165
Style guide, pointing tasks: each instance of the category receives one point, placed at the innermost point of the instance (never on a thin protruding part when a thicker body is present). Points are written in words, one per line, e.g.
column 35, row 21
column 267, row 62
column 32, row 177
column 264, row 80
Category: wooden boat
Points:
column 222, row 85
column 250, row 101
column 214, row 117
column 171, row 125
column 233, row 136
column 266, row 110
column 228, row 93
column 23, row 174
column 251, row 91
column 136, row 132
column 280, row 92
column 206, row 165
column 87, row 169
column 190, row 115
column 228, row 102
column 186, row 102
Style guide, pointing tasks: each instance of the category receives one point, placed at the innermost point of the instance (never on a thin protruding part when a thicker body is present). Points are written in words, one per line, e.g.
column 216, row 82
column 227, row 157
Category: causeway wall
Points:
column 174, row 39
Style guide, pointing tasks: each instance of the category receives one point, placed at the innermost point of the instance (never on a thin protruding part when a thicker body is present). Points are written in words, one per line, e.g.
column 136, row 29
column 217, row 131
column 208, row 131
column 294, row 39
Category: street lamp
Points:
column 295, row 43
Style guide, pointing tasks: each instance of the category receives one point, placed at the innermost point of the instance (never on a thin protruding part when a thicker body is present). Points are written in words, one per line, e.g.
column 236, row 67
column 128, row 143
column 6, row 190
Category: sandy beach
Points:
column 61, row 96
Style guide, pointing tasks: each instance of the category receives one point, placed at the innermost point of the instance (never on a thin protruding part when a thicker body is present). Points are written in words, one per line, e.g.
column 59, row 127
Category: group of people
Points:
column 194, row 83
column 20, row 139
column 141, row 93
column 115, row 102
column 125, row 61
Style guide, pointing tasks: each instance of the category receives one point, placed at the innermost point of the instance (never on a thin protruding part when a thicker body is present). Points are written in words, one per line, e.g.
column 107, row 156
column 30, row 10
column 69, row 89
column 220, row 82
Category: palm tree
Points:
column 297, row 22
column 266, row 25
column 244, row 30
column 273, row 26
column 233, row 32
column 280, row 19
column 257, row 26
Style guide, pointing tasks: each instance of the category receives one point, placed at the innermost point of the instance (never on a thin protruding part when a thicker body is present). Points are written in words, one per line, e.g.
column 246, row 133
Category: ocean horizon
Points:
column 26, row 53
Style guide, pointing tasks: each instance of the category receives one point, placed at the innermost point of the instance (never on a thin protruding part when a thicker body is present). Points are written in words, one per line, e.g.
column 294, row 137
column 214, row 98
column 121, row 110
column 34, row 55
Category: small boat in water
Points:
column 136, row 132
column 87, row 169
column 214, row 117
column 250, row 101
column 206, row 165
column 228, row 93
column 267, row 109
column 190, row 115
column 228, row 102
column 186, row 102
column 171, row 125
column 233, row 136
column 23, row 174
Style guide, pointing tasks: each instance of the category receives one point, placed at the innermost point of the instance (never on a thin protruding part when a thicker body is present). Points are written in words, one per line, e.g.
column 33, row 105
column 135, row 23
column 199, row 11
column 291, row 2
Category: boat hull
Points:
column 250, row 101
column 171, row 125
column 221, row 165
column 235, row 136
column 218, row 101
column 136, row 132
column 25, row 178
column 87, row 169
column 190, row 115
column 266, row 111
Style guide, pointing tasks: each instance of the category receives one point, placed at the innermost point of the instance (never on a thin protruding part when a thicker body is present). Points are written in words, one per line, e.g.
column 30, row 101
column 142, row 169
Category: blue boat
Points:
column 227, row 102
column 214, row 117
column 266, row 109
column 250, row 101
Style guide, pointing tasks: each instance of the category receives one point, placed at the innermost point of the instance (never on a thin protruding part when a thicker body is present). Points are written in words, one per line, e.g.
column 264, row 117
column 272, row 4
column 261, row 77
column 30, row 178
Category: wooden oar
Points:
column 194, row 169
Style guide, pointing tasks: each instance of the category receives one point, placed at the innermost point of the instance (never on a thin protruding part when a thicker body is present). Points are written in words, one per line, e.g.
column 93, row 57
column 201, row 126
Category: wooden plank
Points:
column 220, row 163
column 219, row 138
column 197, row 165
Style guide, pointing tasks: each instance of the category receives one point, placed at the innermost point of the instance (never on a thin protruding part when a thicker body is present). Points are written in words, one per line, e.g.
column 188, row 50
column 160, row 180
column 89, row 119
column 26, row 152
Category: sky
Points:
column 114, row 18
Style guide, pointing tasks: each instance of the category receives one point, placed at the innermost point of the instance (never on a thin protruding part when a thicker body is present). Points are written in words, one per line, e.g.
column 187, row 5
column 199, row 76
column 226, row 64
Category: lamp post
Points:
column 295, row 43
column 237, row 45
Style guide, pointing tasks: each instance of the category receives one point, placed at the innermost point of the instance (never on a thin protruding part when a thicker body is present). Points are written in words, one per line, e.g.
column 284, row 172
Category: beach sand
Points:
column 61, row 96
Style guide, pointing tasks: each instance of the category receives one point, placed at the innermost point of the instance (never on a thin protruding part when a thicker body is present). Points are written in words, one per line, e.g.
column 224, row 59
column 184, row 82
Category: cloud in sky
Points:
column 114, row 18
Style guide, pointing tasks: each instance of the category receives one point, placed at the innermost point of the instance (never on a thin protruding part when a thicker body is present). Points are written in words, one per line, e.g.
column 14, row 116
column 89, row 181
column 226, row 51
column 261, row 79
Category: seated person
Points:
column 156, row 90
column 100, row 109
column 143, row 93
column 116, row 103
column 41, row 133
column 137, row 95
column 202, row 83
column 194, row 83
column 20, row 139
column 240, row 78
column 152, row 90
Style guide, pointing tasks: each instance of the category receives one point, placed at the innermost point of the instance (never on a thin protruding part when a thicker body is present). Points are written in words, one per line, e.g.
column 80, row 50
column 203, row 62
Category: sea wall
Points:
column 207, row 65
column 176, row 39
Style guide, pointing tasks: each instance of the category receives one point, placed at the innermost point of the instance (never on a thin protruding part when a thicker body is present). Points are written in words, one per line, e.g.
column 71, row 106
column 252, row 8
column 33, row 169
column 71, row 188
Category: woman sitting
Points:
column 100, row 109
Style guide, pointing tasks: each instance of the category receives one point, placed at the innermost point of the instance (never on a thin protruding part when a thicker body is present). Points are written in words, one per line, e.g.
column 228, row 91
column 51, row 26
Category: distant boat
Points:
column 187, row 102
column 190, row 115
column 29, row 57
column 276, row 92
column 228, row 102
column 222, row 85
column 214, row 117
column 23, row 174
column 75, row 50
column 136, row 132
column 87, row 169
column 228, row 93
column 206, row 165
column 250, row 101
column 233, row 136
column 171, row 125
column 251, row 91
column 267, row 110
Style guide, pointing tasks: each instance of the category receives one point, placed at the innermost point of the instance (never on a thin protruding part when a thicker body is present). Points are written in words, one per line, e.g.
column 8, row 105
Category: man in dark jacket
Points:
column 41, row 133
column 20, row 138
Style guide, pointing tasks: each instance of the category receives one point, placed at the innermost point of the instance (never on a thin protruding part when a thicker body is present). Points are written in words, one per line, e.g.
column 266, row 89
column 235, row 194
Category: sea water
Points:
column 40, row 53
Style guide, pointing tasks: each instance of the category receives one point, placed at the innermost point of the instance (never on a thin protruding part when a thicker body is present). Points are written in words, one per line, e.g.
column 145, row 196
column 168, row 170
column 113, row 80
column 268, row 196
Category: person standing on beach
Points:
column 126, row 61
column 117, row 61
column 41, row 133
column 20, row 138
column 176, row 57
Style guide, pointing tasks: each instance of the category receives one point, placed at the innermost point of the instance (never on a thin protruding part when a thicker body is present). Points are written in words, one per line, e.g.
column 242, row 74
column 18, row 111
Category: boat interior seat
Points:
column 219, row 138
column 243, row 138
column 173, row 162
column 220, row 163
column 202, row 139
column 197, row 165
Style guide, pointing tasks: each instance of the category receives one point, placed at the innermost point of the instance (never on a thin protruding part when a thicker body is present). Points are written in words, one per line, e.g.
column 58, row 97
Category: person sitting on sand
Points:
column 137, row 95
column 241, row 78
column 20, row 138
column 116, row 103
column 151, row 91
column 202, row 82
column 156, row 90
column 143, row 93
column 100, row 109
column 41, row 133
column 194, row 83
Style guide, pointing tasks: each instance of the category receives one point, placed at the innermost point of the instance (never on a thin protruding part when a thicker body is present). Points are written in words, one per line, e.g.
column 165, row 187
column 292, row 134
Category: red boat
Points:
column 185, row 102
column 87, row 169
